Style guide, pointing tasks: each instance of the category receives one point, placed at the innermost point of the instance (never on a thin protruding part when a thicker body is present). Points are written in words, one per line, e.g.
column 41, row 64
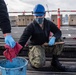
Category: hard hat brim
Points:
column 39, row 14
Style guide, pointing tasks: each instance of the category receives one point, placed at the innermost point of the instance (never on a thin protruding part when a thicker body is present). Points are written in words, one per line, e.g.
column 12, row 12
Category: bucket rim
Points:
column 17, row 67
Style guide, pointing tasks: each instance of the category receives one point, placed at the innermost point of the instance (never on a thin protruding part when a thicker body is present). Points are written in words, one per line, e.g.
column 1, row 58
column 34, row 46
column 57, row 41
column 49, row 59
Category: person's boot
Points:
column 57, row 65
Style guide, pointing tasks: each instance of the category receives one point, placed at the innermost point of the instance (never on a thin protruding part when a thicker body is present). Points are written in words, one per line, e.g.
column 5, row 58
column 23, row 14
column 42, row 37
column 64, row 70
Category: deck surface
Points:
column 48, row 70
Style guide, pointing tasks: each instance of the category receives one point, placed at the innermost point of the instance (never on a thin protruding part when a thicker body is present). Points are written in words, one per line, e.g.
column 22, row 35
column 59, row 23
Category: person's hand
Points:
column 10, row 41
column 52, row 41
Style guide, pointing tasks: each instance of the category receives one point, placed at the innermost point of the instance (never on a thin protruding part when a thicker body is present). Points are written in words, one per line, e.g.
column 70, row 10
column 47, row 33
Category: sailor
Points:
column 5, row 25
column 38, row 31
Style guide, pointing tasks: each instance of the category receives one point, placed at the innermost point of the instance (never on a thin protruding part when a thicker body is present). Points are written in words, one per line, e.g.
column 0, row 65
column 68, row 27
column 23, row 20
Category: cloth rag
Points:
column 11, row 53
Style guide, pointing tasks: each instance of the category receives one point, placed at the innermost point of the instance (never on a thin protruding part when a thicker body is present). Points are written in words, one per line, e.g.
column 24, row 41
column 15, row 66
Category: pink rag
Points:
column 11, row 53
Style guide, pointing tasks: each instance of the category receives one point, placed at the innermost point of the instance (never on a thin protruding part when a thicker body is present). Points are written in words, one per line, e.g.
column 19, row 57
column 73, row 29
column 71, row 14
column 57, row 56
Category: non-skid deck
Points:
column 70, row 64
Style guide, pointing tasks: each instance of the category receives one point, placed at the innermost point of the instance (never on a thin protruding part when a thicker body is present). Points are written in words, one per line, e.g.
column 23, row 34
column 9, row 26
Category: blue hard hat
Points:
column 39, row 10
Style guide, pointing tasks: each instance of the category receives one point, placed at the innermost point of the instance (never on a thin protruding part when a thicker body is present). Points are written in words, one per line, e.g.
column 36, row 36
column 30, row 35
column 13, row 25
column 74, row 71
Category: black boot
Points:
column 57, row 65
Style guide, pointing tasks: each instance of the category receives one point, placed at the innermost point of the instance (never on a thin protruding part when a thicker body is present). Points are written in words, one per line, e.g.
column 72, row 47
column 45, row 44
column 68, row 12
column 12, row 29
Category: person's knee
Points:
column 37, row 56
column 37, row 64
